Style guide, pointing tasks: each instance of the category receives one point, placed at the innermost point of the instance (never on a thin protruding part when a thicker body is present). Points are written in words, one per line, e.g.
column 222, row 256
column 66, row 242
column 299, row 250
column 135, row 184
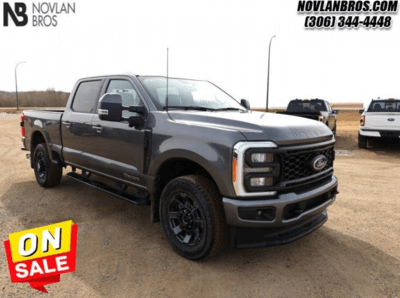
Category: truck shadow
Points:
column 121, row 254
column 348, row 140
column 385, row 147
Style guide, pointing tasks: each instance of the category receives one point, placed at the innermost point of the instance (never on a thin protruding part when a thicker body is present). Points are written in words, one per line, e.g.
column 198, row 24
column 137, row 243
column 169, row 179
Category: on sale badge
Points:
column 40, row 255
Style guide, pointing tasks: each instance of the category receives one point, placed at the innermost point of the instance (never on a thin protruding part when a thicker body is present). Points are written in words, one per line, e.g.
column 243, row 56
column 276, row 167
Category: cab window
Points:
column 86, row 97
column 128, row 94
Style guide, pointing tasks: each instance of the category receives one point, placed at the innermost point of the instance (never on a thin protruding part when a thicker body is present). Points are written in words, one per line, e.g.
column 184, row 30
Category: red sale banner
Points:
column 40, row 255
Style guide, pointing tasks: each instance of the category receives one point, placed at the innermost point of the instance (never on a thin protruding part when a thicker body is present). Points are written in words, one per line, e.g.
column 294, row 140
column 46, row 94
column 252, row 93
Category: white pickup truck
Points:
column 380, row 120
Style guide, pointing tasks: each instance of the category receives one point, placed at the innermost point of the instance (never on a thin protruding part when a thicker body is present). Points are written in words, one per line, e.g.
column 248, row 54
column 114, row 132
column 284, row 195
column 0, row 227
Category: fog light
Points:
column 256, row 182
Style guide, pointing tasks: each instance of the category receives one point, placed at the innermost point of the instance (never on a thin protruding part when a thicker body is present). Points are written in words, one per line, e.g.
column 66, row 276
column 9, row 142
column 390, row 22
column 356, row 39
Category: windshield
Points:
column 384, row 106
column 306, row 106
column 188, row 94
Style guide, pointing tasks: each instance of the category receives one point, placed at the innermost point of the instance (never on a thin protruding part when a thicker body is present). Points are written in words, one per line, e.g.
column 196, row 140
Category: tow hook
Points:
column 335, row 192
column 28, row 156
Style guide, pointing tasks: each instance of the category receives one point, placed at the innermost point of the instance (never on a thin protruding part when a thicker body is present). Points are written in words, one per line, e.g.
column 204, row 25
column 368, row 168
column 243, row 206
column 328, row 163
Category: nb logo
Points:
column 16, row 14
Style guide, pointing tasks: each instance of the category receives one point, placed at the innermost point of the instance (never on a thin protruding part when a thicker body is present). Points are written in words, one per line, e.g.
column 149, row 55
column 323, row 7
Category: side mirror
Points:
column 110, row 107
column 137, row 120
column 336, row 112
column 245, row 103
column 360, row 111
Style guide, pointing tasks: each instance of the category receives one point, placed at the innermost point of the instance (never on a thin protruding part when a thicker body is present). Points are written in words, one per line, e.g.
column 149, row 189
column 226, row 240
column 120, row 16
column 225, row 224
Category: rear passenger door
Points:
column 118, row 148
column 76, row 124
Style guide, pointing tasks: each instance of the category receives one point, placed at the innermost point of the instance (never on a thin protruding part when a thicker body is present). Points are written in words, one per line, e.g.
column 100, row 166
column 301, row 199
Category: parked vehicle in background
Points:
column 210, row 168
column 315, row 109
column 380, row 120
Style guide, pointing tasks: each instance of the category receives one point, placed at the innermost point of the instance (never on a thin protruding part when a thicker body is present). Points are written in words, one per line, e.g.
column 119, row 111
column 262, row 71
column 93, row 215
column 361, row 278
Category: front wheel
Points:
column 193, row 218
column 47, row 174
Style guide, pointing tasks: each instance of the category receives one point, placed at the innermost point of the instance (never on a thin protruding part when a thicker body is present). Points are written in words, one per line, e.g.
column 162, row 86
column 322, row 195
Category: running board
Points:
column 135, row 199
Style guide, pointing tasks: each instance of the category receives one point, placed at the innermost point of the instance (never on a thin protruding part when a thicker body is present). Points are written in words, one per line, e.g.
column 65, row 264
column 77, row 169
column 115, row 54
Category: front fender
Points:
column 214, row 158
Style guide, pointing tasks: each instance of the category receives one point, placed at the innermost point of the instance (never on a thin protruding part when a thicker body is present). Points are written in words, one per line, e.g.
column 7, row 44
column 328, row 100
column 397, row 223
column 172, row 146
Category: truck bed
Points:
column 48, row 122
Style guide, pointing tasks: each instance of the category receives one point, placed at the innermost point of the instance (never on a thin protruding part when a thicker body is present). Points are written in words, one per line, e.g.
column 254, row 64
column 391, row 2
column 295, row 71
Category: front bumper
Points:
column 290, row 208
column 287, row 224
column 261, row 237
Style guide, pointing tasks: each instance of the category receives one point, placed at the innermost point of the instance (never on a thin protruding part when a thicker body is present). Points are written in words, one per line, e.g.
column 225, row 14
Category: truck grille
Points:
column 295, row 164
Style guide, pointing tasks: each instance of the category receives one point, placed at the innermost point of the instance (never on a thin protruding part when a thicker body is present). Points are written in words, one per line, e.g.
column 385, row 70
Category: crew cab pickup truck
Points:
column 380, row 120
column 209, row 167
column 315, row 109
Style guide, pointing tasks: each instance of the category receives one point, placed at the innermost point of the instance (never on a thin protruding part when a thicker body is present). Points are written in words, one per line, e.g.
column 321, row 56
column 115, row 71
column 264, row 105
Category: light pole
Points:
column 269, row 57
column 16, row 84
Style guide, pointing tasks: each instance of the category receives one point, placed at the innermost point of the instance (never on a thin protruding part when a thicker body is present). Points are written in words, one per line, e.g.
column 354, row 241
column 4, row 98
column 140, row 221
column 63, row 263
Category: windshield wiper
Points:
column 197, row 108
column 229, row 109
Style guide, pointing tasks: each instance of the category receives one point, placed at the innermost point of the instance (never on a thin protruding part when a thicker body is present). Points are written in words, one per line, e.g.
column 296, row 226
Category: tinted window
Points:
column 304, row 106
column 128, row 94
column 86, row 97
column 384, row 106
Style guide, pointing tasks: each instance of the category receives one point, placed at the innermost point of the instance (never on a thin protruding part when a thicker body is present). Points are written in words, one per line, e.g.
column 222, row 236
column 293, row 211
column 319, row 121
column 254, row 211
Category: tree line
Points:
column 48, row 98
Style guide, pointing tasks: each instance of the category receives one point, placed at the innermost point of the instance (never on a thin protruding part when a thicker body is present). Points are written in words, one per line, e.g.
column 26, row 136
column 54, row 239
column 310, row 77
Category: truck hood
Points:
column 258, row 126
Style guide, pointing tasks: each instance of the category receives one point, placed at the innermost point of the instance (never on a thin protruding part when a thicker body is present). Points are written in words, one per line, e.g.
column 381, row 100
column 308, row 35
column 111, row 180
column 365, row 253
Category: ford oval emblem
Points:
column 391, row 119
column 319, row 162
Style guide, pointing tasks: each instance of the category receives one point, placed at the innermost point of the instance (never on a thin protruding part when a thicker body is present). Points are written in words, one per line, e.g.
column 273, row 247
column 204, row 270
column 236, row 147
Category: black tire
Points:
column 362, row 141
column 47, row 174
column 193, row 218
column 334, row 131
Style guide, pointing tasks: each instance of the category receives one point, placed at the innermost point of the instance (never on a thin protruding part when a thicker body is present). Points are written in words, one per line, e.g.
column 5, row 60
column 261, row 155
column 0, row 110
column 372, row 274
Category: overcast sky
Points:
column 225, row 42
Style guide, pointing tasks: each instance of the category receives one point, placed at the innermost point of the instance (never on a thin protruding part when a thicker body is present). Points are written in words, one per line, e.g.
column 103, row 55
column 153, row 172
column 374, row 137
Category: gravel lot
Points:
column 121, row 254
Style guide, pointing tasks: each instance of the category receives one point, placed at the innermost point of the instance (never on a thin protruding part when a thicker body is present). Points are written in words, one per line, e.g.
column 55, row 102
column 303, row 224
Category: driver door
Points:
column 119, row 149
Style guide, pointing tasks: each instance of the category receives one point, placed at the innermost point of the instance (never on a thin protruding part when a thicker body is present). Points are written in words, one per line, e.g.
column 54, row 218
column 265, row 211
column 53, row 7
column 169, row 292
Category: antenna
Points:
column 166, row 97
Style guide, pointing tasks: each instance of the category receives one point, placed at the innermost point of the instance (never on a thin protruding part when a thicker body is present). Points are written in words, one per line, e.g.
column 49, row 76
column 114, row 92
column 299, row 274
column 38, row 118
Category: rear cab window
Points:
column 382, row 106
column 87, row 96
column 307, row 105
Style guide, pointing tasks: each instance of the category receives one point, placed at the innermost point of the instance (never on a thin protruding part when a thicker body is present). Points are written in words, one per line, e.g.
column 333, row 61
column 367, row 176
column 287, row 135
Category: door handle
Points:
column 67, row 124
column 98, row 128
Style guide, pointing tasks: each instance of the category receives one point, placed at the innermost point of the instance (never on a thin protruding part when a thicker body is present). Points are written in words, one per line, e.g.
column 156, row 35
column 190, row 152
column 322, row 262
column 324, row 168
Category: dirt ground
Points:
column 121, row 254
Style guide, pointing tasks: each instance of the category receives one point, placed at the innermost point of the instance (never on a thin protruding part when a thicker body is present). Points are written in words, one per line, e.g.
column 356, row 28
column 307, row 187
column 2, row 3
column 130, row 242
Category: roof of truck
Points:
column 136, row 75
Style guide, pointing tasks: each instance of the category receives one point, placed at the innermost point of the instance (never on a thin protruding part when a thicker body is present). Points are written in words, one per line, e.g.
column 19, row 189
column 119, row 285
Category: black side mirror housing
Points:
column 360, row 111
column 110, row 107
column 245, row 103
column 137, row 120
column 336, row 112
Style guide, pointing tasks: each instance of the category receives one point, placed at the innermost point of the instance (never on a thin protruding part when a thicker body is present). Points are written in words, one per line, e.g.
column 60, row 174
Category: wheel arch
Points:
column 177, row 166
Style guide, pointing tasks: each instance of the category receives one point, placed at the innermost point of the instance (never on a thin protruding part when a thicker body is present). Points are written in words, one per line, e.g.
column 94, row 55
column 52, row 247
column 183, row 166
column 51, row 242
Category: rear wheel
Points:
column 193, row 218
column 362, row 141
column 47, row 174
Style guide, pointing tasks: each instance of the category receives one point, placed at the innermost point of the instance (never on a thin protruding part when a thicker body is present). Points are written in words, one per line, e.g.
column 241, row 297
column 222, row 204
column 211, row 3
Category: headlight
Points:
column 261, row 157
column 255, row 168
column 261, row 181
column 258, row 181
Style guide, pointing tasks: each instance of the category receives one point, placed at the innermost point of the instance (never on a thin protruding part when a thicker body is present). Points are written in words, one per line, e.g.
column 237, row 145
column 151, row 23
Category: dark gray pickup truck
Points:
column 210, row 168
column 315, row 109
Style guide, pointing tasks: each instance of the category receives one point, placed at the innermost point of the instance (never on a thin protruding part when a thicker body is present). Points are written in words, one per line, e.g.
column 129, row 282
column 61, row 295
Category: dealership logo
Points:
column 44, row 14
column 19, row 11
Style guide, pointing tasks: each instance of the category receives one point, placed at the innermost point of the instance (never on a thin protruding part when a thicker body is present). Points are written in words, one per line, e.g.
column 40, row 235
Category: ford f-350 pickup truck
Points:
column 380, row 120
column 315, row 109
column 210, row 168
